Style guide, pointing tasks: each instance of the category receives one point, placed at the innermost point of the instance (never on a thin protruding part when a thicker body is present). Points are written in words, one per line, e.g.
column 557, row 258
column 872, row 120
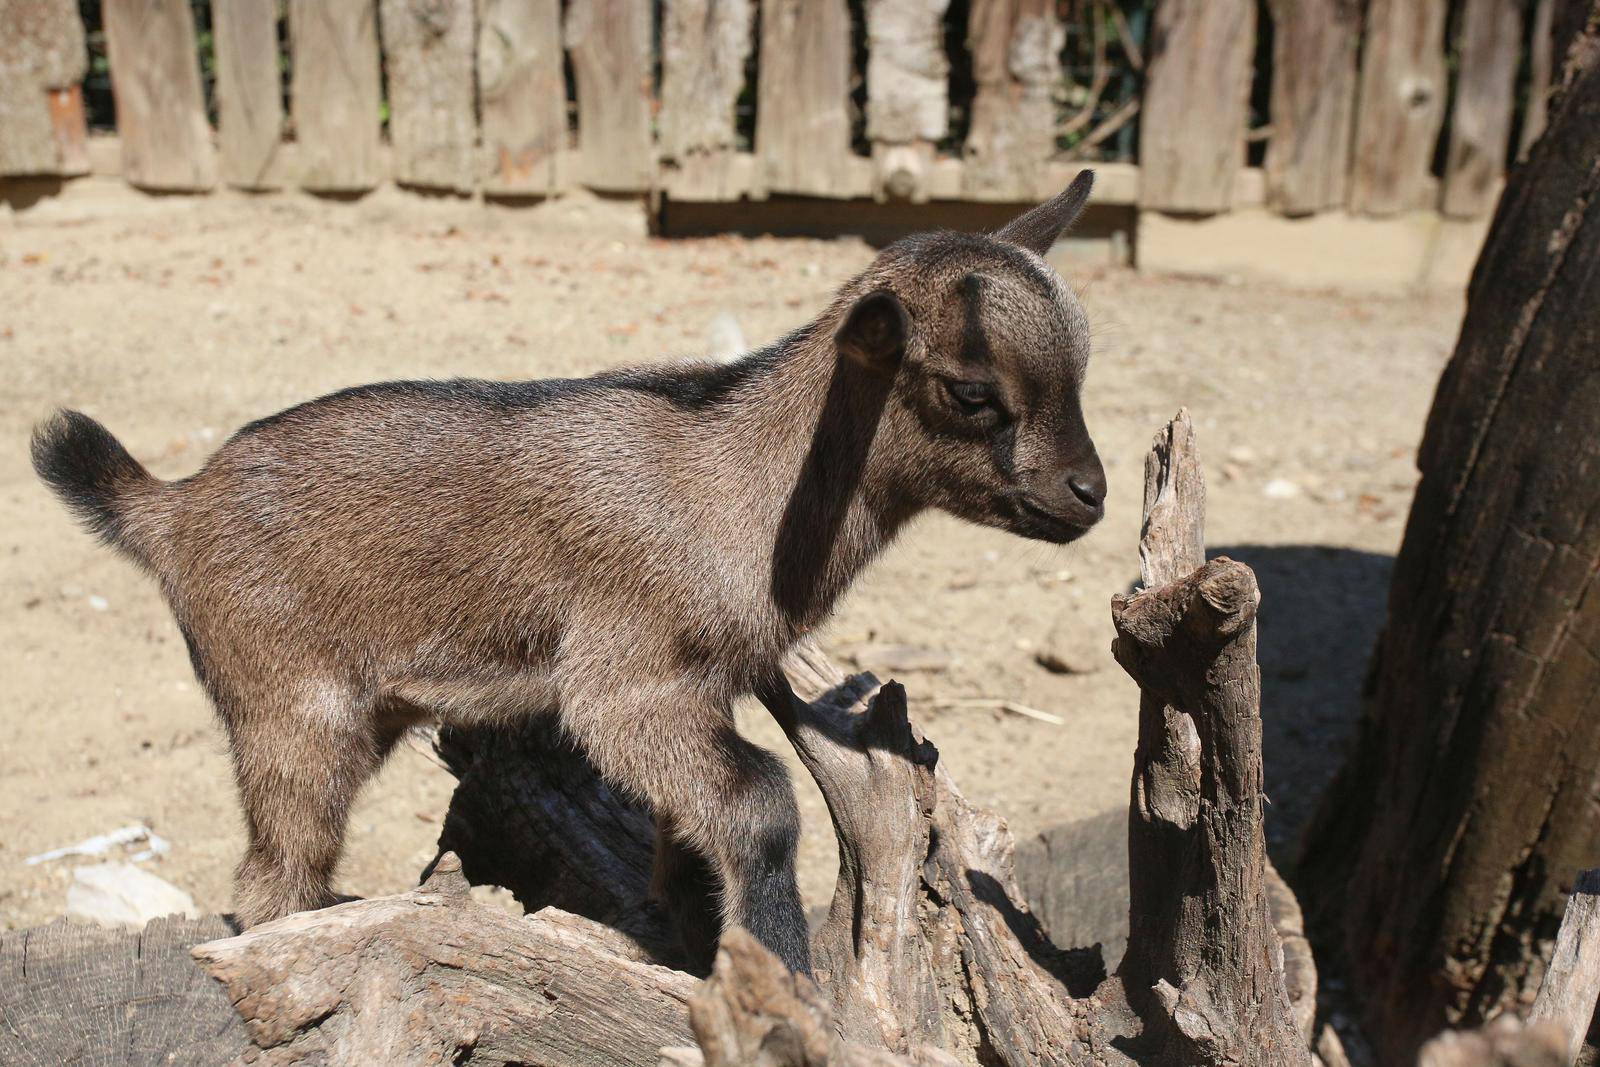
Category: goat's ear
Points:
column 874, row 332
column 1038, row 229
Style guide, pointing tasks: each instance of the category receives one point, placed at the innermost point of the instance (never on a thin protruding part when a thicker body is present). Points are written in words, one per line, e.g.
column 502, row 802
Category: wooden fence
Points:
column 472, row 96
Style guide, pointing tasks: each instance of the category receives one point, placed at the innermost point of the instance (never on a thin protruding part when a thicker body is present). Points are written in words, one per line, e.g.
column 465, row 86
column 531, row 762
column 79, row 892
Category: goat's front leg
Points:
column 726, row 799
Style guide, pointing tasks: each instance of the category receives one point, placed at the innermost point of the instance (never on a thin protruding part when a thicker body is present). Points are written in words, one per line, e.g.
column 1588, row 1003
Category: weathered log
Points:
column 1571, row 984
column 432, row 976
column 1480, row 122
column 1204, row 966
column 704, row 45
column 42, row 62
column 1313, row 103
column 428, row 51
column 1016, row 49
column 1196, row 104
column 249, row 91
column 155, row 78
column 335, row 94
column 1442, row 852
column 1401, row 106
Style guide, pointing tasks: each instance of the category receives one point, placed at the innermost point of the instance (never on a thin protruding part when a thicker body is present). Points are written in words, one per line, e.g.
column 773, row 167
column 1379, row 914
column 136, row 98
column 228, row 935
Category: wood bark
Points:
column 704, row 46
column 1490, row 45
column 71, row 993
column 335, row 94
column 42, row 63
column 609, row 42
column 1572, row 983
column 1443, row 849
column 155, row 80
column 803, row 98
column 428, row 50
column 1313, row 106
column 1204, row 966
column 522, row 96
column 1401, row 106
column 1196, row 104
column 1016, row 66
column 908, row 99
column 249, row 92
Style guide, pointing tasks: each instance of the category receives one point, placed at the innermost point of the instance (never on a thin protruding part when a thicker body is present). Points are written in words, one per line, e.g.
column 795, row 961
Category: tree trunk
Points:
column 1445, row 847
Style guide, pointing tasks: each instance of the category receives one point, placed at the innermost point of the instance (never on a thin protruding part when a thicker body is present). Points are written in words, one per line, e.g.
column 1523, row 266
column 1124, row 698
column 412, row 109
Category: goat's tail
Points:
column 98, row 480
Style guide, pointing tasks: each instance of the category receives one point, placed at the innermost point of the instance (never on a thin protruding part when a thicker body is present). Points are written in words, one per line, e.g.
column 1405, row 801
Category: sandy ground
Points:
column 174, row 321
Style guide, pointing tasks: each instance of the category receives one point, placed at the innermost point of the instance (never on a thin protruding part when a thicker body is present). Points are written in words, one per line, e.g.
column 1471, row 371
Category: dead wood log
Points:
column 1204, row 966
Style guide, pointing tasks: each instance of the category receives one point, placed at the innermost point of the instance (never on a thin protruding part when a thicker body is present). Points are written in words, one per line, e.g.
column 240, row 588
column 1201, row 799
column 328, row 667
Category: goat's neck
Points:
column 813, row 437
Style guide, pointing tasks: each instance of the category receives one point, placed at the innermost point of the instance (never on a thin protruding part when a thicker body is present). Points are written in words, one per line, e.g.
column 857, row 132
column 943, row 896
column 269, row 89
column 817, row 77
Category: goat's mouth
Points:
column 1033, row 520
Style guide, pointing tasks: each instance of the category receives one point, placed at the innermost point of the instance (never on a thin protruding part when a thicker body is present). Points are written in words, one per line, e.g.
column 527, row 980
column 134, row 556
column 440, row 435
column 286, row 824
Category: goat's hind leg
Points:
column 686, row 885
column 299, row 764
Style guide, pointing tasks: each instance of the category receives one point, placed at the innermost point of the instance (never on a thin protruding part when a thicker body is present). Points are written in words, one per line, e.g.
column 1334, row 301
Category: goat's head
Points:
column 987, row 349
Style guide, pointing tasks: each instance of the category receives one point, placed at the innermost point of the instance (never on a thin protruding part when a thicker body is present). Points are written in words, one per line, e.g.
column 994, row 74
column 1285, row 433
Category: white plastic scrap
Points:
column 100, row 844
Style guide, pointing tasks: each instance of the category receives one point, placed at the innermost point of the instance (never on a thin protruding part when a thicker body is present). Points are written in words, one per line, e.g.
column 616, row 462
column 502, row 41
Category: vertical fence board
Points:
column 1401, row 106
column 704, row 45
column 249, row 91
column 1016, row 48
column 1541, row 61
column 803, row 98
column 908, row 98
column 610, row 45
column 42, row 62
column 1313, row 103
column 433, row 124
column 335, row 94
column 155, row 79
column 522, row 96
column 1480, row 121
column 1196, row 104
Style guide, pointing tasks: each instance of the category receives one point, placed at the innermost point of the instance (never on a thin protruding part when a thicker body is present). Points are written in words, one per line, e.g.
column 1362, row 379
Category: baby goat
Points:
column 630, row 552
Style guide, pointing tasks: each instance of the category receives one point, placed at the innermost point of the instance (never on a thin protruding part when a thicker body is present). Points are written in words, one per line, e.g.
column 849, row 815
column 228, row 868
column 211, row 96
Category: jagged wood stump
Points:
column 928, row 954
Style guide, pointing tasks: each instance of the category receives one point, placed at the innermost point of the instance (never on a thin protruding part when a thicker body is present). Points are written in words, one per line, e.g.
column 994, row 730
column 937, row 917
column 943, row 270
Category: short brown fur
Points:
column 631, row 552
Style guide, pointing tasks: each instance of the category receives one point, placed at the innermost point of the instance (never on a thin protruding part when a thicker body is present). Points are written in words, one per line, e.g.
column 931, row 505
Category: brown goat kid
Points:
column 629, row 552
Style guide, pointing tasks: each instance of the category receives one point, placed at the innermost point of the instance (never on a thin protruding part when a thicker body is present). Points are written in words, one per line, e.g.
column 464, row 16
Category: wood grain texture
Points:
column 42, row 62
column 1402, row 99
column 249, row 92
column 155, row 79
column 1490, row 45
column 1571, row 985
column 704, row 46
column 908, row 100
column 429, row 49
column 1196, row 104
column 1016, row 48
column 609, row 42
column 336, row 95
column 1204, row 965
column 522, row 96
column 1443, row 848
column 1313, row 106
column 803, row 98
column 131, row 997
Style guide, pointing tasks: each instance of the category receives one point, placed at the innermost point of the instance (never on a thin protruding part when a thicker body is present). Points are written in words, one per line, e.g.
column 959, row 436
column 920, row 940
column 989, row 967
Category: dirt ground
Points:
column 174, row 321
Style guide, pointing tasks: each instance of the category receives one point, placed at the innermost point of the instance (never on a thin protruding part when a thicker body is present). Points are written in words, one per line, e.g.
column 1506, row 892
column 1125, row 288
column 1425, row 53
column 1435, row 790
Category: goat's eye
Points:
column 971, row 397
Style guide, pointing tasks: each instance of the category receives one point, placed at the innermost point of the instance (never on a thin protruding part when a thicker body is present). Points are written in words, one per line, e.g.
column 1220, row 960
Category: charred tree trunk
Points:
column 1445, row 847
column 928, row 954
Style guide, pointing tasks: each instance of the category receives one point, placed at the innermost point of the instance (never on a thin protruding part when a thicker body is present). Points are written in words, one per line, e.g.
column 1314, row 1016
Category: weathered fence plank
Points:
column 1196, row 104
column 609, row 41
column 803, row 98
column 335, row 94
column 1572, row 984
column 1016, row 48
column 522, row 96
column 155, row 78
column 42, row 60
column 249, row 91
column 908, row 97
column 1541, row 61
column 704, row 45
column 428, row 54
column 1313, row 103
column 1402, row 106
column 1480, row 121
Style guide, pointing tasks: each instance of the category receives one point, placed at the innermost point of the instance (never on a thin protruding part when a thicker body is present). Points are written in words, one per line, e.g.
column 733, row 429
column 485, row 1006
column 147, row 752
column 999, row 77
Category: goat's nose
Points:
column 1089, row 486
